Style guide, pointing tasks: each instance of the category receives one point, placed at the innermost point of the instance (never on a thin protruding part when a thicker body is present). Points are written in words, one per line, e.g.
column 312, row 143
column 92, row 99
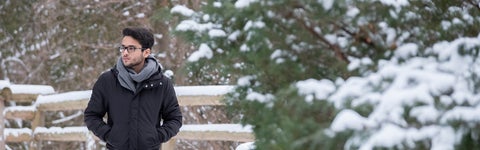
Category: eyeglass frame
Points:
column 130, row 49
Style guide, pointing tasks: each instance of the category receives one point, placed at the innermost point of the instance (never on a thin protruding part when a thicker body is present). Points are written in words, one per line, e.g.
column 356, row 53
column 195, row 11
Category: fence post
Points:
column 38, row 121
column 2, row 124
column 169, row 145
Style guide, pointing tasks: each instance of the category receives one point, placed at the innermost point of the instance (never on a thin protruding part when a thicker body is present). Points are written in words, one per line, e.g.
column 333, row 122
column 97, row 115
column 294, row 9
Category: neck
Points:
column 138, row 67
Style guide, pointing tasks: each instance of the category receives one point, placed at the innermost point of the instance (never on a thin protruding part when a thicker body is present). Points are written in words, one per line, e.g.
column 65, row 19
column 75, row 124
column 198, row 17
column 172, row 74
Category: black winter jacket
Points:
column 134, row 119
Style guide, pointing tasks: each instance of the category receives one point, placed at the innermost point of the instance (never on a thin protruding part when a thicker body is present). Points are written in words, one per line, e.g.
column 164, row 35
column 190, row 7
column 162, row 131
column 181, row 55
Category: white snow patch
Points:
column 406, row 50
column 246, row 146
column 190, row 25
column 217, row 127
column 244, row 3
column 216, row 33
column 183, row 10
column 348, row 120
column 140, row 15
column 203, row 90
column 62, row 130
column 4, row 84
column 203, row 51
column 16, row 132
column 68, row 96
column 19, row 109
column 31, row 89
column 321, row 89
column 327, row 4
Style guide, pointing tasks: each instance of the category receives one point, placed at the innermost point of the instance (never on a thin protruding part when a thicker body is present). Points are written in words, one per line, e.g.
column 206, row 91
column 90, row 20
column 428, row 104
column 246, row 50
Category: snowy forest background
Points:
column 343, row 74
column 67, row 44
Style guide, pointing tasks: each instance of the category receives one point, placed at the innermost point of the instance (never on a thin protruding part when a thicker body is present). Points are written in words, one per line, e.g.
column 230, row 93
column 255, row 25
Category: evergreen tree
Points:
column 271, row 48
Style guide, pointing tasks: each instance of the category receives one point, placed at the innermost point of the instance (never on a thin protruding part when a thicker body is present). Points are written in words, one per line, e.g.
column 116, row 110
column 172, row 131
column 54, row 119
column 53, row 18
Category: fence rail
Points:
column 45, row 99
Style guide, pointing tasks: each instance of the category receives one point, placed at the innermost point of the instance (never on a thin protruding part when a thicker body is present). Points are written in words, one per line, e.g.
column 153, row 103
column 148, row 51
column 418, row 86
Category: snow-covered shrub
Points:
column 427, row 102
column 332, row 74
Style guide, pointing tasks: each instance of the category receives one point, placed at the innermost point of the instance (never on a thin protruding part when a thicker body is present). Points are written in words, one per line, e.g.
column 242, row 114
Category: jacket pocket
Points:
column 117, row 137
column 151, row 137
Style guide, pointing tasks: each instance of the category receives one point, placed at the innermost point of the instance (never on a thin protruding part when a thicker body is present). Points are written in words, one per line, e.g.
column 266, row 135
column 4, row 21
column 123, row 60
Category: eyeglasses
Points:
column 130, row 49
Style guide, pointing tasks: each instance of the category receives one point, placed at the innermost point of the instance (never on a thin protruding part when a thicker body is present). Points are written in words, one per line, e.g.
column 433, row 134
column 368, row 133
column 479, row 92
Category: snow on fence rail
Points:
column 45, row 99
column 214, row 132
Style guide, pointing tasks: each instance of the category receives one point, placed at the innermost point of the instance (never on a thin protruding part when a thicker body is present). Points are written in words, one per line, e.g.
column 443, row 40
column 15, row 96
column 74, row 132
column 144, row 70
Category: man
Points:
column 136, row 96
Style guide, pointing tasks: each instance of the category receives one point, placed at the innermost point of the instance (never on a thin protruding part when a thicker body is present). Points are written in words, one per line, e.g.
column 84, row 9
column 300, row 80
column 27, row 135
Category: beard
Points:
column 134, row 63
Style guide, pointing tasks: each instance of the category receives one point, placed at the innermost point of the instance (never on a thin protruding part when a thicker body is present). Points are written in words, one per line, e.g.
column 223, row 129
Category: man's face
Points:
column 136, row 59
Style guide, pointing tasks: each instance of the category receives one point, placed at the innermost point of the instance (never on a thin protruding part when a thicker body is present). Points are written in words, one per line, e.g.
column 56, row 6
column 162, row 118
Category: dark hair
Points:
column 142, row 35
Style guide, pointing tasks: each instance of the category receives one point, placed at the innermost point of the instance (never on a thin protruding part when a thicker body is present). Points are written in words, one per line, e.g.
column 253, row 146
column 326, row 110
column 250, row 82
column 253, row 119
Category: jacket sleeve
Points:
column 171, row 114
column 95, row 111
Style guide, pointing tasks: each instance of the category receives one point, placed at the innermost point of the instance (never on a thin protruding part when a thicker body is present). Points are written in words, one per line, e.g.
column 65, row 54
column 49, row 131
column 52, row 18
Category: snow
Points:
column 68, row 96
column 245, row 80
column 168, row 73
column 216, row 33
column 348, row 120
column 68, row 118
column 190, row 25
column 425, row 114
column 356, row 63
column 263, row 98
column 31, row 89
column 62, row 130
column 407, row 80
column 246, row 146
column 413, row 83
column 217, row 4
column 3, row 84
column 390, row 136
column 180, row 9
column 406, row 50
column 233, row 36
column 16, row 132
column 253, row 24
column 158, row 36
column 396, row 3
column 126, row 13
column 244, row 3
column 216, row 127
column 20, row 109
column 320, row 89
column 203, row 90
column 459, row 113
column 203, row 51
column 140, row 15
column 327, row 4
column 352, row 12
column 57, row 54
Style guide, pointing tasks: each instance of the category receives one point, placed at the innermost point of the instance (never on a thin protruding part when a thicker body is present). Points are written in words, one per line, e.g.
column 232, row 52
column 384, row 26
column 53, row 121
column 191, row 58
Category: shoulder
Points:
column 107, row 76
column 163, row 80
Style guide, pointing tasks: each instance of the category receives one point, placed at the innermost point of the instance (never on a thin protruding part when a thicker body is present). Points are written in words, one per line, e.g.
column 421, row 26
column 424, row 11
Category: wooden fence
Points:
column 45, row 99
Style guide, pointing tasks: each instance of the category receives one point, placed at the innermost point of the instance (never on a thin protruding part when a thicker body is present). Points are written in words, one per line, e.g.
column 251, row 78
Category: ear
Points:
column 146, row 52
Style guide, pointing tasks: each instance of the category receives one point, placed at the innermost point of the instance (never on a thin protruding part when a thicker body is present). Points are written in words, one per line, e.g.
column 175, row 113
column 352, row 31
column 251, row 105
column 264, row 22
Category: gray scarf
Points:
column 129, row 79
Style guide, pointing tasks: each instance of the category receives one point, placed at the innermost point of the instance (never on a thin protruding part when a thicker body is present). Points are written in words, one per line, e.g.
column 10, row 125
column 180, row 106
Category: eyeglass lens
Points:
column 129, row 49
